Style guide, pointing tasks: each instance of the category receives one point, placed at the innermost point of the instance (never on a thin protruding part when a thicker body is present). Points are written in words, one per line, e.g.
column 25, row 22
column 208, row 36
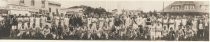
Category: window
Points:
column 22, row 2
column 49, row 9
column 43, row 3
column 204, row 7
column 32, row 2
column 40, row 11
column 189, row 7
column 175, row 7
column 57, row 11
column 186, row 7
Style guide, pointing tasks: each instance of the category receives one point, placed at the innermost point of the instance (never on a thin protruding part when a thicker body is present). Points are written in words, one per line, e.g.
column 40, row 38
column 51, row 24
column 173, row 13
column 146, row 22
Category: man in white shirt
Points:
column 89, row 22
column 92, row 30
column 66, row 22
column 111, row 23
column 201, row 29
column 165, row 27
column 184, row 22
column 37, row 23
column 13, row 31
column 126, row 22
column 101, row 22
column 206, row 22
column 43, row 20
column 177, row 23
column 20, row 27
column 143, row 22
column 135, row 28
column 62, row 21
column 56, row 20
column 99, row 32
column 159, row 30
column 32, row 25
column 89, row 28
column 106, row 29
column 31, row 22
column 152, row 31
column 46, row 31
column 194, row 27
column 26, row 23
column 172, row 22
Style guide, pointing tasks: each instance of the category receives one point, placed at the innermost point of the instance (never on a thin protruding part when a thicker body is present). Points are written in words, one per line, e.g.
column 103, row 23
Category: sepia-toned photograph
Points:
column 160, row 20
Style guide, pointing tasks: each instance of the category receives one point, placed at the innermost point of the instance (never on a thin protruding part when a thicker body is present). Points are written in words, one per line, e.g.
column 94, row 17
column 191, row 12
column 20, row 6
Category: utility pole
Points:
column 163, row 8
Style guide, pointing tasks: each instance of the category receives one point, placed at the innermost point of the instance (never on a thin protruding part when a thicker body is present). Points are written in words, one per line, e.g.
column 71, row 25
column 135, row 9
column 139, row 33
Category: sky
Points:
column 117, row 4
column 145, row 5
column 3, row 3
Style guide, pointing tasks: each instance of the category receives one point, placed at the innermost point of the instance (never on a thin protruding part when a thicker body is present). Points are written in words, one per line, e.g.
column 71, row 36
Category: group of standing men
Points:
column 113, row 27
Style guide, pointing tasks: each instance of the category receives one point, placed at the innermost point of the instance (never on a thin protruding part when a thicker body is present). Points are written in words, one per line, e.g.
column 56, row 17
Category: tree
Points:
column 100, row 11
column 89, row 10
column 155, row 13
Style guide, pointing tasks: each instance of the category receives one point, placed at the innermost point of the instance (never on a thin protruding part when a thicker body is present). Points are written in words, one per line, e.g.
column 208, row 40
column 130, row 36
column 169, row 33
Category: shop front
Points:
column 18, row 10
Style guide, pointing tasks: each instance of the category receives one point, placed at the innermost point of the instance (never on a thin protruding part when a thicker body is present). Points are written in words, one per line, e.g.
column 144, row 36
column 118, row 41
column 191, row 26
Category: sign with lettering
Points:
column 3, row 7
column 22, row 8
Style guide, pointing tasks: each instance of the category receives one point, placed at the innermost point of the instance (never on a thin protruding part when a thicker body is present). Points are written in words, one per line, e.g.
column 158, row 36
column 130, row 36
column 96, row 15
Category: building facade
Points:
column 77, row 10
column 54, row 7
column 187, row 8
column 29, row 6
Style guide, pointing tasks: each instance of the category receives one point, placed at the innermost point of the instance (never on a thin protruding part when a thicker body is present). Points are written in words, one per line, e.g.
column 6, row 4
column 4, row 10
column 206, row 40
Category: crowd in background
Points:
column 120, row 27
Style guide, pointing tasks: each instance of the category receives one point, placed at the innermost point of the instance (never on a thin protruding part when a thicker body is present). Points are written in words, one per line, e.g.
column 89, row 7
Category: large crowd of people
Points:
column 122, row 27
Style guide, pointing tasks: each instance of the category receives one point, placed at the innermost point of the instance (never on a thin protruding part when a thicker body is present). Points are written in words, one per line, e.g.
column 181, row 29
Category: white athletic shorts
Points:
column 158, row 34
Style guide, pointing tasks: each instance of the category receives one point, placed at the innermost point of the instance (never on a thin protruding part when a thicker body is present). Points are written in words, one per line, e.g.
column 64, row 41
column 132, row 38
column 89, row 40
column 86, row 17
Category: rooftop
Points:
column 54, row 3
column 197, row 4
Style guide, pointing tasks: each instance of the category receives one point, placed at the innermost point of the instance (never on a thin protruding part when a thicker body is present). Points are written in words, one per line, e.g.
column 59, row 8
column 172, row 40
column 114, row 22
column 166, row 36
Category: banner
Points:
column 22, row 8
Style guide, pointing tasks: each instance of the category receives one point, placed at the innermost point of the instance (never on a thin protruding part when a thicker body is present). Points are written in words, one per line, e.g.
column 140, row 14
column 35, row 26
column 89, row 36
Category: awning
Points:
column 3, row 11
column 22, row 13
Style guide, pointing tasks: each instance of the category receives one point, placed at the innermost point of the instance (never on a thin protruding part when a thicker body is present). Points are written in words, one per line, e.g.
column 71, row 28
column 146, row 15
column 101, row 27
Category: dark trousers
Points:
column 200, row 33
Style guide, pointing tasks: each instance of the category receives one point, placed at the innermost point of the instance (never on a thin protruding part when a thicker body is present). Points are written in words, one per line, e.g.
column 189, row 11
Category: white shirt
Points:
column 138, row 21
column 43, row 19
column 159, row 19
column 26, row 19
column 66, row 21
column 153, row 28
column 56, row 21
column 171, row 20
column 101, row 23
column 89, row 21
column 194, row 27
column 20, row 25
column 135, row 26
column 128, row 21
column 144, row 21
column 94, row 20
column 159, row 27
column 37, row 22
column 184, row 21
column 25, row 25
column 177, row 22
column 31, row 21
column 14, row 27
column 206, row 22
column 112, row 21
column 107, row 19
column 165, row 20
column 200, row 26
column 20, row 19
